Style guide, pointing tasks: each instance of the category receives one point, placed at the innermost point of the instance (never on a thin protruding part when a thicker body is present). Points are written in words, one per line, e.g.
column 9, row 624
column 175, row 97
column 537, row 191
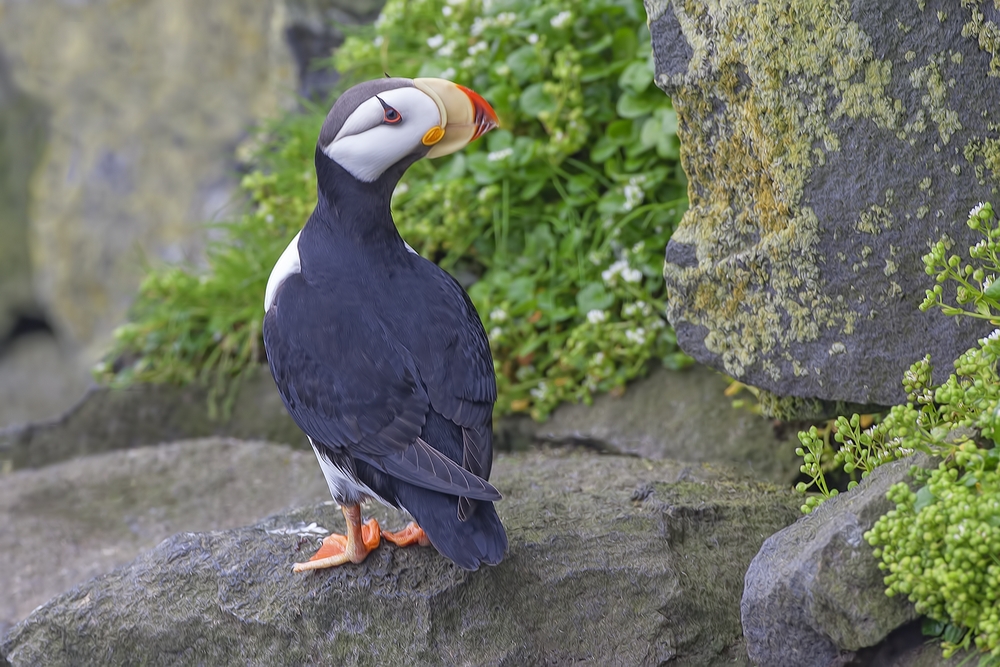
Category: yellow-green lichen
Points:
column 987, row 34
column 931, row 79
column 754, row 162
column 762, row 103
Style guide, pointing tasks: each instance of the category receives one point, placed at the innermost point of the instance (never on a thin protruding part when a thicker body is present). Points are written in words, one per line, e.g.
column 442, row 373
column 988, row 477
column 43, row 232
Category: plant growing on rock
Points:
column 558, row 220
column 940, row 546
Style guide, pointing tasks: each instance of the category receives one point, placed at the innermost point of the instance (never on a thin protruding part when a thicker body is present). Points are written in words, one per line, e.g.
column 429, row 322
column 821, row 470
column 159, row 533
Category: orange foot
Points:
column 354, row 547
column 412, row 534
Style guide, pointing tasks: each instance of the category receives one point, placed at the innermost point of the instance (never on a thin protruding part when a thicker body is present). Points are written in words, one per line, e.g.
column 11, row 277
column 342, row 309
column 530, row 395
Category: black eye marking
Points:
column 390, row 115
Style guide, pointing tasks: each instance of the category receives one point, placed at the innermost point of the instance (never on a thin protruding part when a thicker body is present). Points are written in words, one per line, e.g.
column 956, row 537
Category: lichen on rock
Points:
column 825, row 147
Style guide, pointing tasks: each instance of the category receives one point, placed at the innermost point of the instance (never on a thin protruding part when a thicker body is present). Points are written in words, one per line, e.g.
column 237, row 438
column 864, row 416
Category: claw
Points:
column 354, row 547
column 412, row 534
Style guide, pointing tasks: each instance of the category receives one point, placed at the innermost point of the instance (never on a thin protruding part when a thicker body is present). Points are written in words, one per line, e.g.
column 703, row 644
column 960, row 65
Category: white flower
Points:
column 633, row 196
column 502, row 154
column 506, row 19
column 637, row 336
column 456, row 3
column 596, row 316
column 478, row 47
column 561, row 19
column 638, row 247
column 990, row 279
column 479, row 24
column 447, row 50
column 540, row 392
column 498, row 315
column 532, row 38
column 400, row 189
column 974, row 211
column 496, row 332
column 631, row 275
column 448, row 73
column 599, row 358
column 629, row 309
column 446, row 10
column 435, row 41
column 979, row 247
column 468, row 63
column 613, row 271
column 994, row 335
column 378, row 40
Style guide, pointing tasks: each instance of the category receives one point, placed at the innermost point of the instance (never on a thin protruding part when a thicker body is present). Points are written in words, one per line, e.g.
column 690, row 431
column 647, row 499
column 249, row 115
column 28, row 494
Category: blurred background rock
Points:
column 118, row 126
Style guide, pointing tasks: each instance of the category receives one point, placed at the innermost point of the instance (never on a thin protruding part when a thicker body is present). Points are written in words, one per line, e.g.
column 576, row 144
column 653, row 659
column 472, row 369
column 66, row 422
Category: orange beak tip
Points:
column 485, row 117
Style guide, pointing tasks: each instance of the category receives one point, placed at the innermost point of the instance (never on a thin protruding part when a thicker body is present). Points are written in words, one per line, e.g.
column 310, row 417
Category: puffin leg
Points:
column 412, row 534
column 354, row 547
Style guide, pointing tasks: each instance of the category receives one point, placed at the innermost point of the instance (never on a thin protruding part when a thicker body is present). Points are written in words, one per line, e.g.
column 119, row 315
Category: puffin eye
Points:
column 390, row 115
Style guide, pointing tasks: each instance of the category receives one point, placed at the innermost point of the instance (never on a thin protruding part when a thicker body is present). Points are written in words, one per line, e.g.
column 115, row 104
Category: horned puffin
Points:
column 379, row 355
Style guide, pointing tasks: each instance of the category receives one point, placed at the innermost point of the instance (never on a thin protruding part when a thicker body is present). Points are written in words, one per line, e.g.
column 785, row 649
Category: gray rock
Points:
column 63, row 524
column 908, row 647
column 680, row 415
column 38, row 379
column 22, row 138
column 613, row 560
column 144, row 112
column 814, row 593
column 826, row 147
column 108, row 419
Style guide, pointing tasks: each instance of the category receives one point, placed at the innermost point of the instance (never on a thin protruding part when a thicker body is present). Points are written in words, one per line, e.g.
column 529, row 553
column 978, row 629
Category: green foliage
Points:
column 559, row 218
column 941, row 543
column 563, row 213
column 940, row 546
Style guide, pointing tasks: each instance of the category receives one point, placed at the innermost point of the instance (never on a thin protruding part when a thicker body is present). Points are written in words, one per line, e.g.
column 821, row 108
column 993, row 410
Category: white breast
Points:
column 288, row 264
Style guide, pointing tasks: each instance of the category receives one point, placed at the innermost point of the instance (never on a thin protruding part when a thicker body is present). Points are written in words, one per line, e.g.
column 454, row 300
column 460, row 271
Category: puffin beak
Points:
column 465, row 116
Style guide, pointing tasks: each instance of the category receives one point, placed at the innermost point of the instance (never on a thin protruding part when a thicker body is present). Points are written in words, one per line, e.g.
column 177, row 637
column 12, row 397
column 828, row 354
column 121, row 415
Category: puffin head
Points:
column 391, row 122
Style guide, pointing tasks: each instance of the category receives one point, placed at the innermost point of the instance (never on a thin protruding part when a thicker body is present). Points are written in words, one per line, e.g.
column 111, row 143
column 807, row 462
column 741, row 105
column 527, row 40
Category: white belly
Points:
column 343, row 486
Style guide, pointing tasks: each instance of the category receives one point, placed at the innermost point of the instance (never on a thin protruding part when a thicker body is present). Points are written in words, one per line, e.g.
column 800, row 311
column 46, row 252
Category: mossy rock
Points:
column 613, row 560
column 827, row 144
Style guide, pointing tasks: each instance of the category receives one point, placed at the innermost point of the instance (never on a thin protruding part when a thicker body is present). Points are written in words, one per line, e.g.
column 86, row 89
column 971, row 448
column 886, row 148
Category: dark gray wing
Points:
column 348, row 385
column 457, row 367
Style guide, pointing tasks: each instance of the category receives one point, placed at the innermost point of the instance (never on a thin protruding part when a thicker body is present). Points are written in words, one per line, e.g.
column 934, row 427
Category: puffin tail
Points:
column 479, row 540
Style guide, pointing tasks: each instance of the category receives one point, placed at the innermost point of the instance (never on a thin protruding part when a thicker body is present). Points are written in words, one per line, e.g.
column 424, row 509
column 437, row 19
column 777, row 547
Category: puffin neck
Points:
column 355, row 210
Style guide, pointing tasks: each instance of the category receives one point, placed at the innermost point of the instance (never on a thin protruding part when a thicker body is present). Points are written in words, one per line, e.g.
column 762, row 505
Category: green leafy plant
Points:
column 940, row 546
column 189, row 326
column 558, row 220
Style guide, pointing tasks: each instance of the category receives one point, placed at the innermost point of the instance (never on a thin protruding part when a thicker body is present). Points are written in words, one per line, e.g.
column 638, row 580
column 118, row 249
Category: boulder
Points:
column 814, row 594
column 22, row 138
column 68, row 522
column 144, row 113
column 33, row 381
column 680, row 415
column 107, row 419
column 791, row 270
column 613, row 560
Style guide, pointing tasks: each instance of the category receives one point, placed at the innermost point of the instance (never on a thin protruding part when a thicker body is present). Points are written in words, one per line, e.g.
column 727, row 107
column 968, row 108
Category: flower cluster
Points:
column 940, row 544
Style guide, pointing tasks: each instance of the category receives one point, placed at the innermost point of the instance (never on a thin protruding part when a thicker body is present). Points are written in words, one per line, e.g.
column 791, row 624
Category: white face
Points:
column 382, row 130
